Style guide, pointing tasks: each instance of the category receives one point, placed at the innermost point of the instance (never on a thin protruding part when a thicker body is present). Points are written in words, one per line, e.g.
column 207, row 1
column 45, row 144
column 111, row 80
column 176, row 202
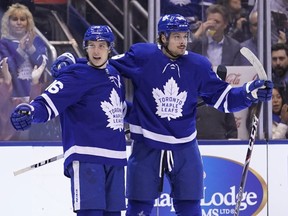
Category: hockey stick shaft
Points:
column 253, row 132
column 262, row 75
column 37, row 165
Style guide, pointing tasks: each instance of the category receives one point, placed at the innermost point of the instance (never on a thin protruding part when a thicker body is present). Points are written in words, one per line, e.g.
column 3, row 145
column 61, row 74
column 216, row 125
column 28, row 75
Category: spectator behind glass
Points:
column 279, row 57
column 210, row 39
column 279, row 24
column 23, row 48
column 25, row 51
column 7, row 132
column 251, row 43
column 280, row 115
column 238, row 20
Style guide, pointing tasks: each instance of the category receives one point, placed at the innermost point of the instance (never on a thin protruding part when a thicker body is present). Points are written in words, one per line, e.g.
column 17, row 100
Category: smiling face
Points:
column 18, row 24
column 276, row 101
column 98, row 52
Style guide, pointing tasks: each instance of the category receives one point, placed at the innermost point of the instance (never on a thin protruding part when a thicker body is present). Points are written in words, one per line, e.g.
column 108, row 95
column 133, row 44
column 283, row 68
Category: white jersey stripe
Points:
column 160, row 137
column 85, row 150
column 76, row 182
column 49, row 113
column 225, row 105
column 50, row 103
column 221, row 98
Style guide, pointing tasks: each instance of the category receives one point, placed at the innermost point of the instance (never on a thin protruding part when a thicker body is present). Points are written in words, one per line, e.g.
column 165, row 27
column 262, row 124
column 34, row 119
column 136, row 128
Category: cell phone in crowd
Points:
column 280, row 20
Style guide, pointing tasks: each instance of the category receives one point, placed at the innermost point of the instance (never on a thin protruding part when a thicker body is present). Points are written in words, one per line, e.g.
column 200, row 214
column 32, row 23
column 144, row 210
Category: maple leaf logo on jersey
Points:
column 169, row 102
column 114, row 111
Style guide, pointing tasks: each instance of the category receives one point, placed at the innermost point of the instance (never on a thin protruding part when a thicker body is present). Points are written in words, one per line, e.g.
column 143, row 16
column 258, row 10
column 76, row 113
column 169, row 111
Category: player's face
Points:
column 98, row 52
column 18, row 23
column 178, row 43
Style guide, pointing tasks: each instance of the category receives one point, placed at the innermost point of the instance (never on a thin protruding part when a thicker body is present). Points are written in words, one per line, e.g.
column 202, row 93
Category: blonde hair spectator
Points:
column 13, row 10
column 25, row 55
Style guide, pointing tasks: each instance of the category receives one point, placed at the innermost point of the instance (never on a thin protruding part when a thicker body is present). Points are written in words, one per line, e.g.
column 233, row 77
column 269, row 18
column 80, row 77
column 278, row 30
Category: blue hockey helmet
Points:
column 172, row 23
column 99, row 33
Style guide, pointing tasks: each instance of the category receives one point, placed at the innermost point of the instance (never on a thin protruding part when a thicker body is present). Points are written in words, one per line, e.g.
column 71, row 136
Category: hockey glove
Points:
column 22, row 116
column 62, row 61
column 259, row 90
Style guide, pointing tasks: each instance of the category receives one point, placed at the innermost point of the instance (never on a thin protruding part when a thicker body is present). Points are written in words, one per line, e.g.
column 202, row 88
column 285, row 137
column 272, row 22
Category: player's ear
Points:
column 109, row 47
column 163, row 38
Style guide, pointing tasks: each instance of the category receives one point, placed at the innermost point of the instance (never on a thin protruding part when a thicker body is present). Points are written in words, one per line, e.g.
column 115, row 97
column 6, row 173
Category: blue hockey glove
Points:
column 22, row 116
column 259, row 90
column 62, row 61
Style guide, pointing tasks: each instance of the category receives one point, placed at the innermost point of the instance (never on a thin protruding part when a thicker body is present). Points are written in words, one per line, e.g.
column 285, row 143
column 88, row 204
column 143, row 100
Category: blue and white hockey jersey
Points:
column 90, row 103
column 166, row 92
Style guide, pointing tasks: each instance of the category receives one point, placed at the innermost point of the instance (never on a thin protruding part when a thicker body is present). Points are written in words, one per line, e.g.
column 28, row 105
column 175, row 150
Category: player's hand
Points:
column 259, row 90
column 22, row 116
column 62, row 61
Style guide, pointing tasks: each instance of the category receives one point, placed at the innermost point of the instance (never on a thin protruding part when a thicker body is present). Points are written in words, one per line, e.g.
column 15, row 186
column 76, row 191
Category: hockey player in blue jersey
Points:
column 167, row 82
column 90, row 101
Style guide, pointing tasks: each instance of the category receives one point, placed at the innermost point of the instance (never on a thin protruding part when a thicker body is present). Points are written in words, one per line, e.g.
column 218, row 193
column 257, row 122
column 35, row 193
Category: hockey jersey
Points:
column 166, row 93
column 90, row 103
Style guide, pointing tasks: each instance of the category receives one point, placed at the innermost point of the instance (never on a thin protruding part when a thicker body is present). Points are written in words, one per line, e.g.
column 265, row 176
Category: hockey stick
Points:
column 262, row 75
column 50, row 160
column 37, row 165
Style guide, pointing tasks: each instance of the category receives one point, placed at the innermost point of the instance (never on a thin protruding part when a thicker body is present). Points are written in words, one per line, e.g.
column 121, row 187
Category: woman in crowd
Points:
column 280, row 115
column 7, row 132
column 23, row 48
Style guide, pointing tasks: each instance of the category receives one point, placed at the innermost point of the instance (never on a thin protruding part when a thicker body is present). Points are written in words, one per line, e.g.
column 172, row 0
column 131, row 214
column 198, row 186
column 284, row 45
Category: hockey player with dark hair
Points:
column 90, row 101
column 167, row 81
